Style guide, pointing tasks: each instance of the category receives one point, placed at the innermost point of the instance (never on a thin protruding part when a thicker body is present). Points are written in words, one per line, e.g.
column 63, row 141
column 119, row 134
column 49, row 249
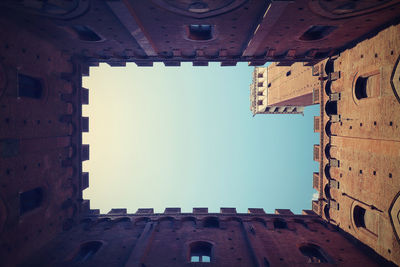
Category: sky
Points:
column 185, row 137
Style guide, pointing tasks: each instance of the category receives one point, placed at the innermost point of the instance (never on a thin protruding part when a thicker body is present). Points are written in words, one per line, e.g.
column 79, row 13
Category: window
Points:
column 366, row 220
column 259, row 102
column 87, row 251
column 280, row 224
column 368, row 86
column 314, row 254
column 361, row 88
column 288, row 73
column 358, row 215
column 29, row 87
column 85, row 34
column 200, row 251
column 317, row 32
column 211, row 222
column 30, row 200
column 200, row 32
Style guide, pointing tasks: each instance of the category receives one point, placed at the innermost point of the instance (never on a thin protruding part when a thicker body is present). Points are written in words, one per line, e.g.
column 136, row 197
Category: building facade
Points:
column 202, row 239
column 359, row 151
column 279, row 89
column 46, row 48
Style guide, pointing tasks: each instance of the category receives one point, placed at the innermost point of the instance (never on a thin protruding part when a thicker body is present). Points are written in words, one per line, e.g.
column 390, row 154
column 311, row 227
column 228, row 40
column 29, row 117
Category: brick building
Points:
column 283, row 89
column 358, row 180
column 46, row 48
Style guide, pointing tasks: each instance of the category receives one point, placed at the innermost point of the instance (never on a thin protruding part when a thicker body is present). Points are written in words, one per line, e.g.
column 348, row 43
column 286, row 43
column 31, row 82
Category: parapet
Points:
column 197, row 211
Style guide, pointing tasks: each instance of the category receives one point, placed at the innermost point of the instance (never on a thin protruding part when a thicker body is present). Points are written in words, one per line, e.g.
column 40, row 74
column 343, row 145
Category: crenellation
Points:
column 85, row 152
column 172, row 210
column 118, row 211
column 200, row 210
column 283, row 212
column 85, row 124
column 145, row 211
column 228, row 210
column 259, row 211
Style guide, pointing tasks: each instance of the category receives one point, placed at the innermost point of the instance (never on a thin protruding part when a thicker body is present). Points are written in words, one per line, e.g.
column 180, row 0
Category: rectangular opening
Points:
column 180, row 137
column 200, row 32
column 30, row 200
column 29, row 87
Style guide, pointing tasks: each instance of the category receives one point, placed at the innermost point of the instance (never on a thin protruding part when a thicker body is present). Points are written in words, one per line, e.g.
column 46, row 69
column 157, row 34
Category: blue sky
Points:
column 185, row 137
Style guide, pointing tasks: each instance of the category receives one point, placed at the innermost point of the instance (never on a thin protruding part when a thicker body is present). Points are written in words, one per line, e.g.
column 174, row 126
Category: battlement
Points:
column 196, row 211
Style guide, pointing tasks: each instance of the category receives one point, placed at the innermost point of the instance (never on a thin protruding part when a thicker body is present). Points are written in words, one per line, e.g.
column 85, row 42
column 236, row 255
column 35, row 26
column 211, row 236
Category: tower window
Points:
column 29, row 87
column 359, row 215
column 30, row 200
column 200, row 251
column 259, row 102
column 361, row 88
column 87, row 251
column 200, row 32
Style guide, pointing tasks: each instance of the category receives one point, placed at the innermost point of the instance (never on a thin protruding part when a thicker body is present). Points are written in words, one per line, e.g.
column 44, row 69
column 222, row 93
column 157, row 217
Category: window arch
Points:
column 87, row 251
column 314, row 254
column 200, row 251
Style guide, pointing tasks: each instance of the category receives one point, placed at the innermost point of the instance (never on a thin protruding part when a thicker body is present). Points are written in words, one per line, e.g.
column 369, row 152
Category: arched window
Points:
column 87, row 251
column 200, row 251
column 314, row 254
column 30, row 200
column 211, row 222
